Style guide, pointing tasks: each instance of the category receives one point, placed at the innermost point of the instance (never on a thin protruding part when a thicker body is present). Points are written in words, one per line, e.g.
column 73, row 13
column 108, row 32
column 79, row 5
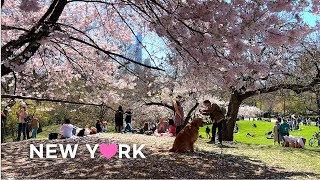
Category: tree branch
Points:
column 159, row 104
column 297, row 88
column 4, row 27
column 190, row 113
column 114, row 54
column 54, row 100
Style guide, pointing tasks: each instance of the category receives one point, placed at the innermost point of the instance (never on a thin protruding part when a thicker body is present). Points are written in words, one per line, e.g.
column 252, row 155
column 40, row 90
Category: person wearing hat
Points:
column 22, row 125
column 178, row 115
column 276, row 132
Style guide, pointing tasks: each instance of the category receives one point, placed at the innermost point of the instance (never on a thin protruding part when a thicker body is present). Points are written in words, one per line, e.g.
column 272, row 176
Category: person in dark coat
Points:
column 98, row 126
column 128, row 120
column 119, row 119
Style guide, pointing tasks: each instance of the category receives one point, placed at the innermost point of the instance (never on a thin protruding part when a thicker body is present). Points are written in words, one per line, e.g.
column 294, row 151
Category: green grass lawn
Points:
column 244, row 128
column 259, row 132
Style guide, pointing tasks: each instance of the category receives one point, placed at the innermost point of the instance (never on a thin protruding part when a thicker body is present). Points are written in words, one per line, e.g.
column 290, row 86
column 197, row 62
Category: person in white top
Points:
column 66, row 129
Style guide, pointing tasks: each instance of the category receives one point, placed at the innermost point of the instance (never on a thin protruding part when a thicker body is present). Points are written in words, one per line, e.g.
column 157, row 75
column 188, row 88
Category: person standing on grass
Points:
column 119, row 119
column 217, row 116
column 178, row 115
column 22, row 125
column 276, row 131
column 34, row 123
column 98, row 126
column 128, row 120
column 284, row 129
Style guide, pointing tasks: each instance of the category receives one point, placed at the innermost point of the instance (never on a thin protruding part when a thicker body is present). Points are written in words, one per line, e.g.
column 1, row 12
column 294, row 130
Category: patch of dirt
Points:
column 208, row 161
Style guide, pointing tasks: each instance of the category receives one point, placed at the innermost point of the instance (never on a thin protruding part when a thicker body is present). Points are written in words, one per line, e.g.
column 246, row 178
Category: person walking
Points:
column 178, row 115
column 22, row 125
column 119, row 119
column 217, row 116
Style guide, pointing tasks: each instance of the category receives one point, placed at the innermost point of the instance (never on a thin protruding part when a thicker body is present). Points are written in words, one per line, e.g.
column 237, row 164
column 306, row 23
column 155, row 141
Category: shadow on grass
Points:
column 17, row 164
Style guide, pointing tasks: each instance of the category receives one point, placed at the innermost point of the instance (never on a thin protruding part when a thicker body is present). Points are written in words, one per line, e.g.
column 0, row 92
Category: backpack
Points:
column 27, row 119
column 39, row 129
column 53, row 136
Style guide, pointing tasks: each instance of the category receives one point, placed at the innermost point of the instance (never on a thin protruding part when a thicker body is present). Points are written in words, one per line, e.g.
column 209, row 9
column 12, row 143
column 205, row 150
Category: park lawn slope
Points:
column 259, row 132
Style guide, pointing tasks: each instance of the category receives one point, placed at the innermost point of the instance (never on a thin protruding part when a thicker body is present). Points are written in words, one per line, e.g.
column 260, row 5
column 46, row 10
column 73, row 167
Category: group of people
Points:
column 26, row 122
column 173, row 126
column 280, row 130
column 101, row 126
column 119, row 120
column 67, row 130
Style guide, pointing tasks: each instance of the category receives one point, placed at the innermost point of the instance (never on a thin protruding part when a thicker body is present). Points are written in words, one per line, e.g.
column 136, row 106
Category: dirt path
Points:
column 230, row 161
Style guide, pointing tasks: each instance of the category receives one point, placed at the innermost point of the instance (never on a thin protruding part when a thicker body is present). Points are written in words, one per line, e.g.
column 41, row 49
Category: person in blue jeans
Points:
column 128, row 121
column 22, row 125
column 34, row 123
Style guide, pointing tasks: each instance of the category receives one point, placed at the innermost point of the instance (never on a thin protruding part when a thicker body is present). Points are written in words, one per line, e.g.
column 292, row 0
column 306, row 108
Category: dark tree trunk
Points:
column 233, row 108
column 10, row 103
column 318, row 102
column 186, row 120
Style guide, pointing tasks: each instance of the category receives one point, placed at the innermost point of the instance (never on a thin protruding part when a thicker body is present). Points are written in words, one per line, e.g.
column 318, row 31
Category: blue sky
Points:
column 310, row 19
column 151, row 45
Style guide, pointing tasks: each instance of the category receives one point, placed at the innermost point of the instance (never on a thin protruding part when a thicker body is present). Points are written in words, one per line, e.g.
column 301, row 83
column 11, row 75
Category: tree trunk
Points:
column 186, row 120
column 232, row 115
column 318, row 102
column 10, row 103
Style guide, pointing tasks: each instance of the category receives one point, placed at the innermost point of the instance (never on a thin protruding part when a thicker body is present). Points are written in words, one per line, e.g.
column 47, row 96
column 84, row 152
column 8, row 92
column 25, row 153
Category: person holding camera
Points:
column 22, row 124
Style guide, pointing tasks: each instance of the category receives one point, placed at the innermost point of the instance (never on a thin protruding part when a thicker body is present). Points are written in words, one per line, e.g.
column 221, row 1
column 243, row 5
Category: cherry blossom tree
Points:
column 68, row 49
column 243, row 47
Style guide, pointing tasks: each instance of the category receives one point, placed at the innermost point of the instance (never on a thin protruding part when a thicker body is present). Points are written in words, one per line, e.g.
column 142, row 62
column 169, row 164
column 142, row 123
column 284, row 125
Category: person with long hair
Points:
column 119, row 119
column 178, row 115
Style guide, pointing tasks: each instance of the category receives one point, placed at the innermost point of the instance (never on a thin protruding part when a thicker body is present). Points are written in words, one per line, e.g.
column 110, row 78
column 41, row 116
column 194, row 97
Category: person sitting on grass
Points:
column 172, row 128
column 236, row 128
column 66, row 129
column 162, row 126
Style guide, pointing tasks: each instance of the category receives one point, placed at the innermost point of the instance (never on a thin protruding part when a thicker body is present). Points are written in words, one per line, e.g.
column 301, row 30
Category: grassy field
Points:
column 259, row 132
column 247, row 157
column 241, row 137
